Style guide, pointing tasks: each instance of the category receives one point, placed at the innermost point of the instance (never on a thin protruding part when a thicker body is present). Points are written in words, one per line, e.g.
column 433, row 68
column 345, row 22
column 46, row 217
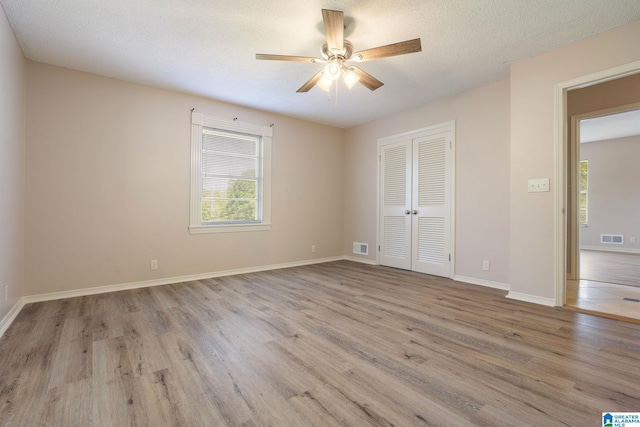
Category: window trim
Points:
column 198, row 122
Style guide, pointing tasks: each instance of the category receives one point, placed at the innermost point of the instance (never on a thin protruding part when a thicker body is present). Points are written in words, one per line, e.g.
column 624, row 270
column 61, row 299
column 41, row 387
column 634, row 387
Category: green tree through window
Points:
column 237, row 204
column 584, row 192
column 241, row 200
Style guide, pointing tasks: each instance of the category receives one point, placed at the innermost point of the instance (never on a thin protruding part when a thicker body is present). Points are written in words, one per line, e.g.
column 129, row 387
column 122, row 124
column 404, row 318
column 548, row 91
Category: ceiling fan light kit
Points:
column 350, row 77
column 333, row 69
column 324, row 83
column 337, row 51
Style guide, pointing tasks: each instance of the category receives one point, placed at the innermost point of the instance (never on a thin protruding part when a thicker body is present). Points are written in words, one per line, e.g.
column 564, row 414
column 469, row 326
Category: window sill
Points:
column 235, row 228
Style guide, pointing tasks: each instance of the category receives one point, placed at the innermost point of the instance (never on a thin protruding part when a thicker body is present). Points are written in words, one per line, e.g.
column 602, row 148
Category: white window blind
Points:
column 231, row 177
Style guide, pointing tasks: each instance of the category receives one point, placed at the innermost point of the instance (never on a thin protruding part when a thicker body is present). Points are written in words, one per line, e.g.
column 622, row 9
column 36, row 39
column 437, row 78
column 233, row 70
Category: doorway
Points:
column 604, row 256
column 562, row 230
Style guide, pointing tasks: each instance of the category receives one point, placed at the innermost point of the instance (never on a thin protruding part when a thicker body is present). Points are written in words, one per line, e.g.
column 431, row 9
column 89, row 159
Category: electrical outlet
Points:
column 632, row 239
column 6, row 293
column 313, row 249
column 486, row 265
column 154, row 264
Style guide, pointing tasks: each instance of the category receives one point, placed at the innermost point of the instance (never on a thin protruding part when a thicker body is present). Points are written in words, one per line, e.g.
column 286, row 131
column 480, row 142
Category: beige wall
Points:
column 533, row 150
column 614, row 194
column 482, row 176
column 107, row 186
column 12, row 166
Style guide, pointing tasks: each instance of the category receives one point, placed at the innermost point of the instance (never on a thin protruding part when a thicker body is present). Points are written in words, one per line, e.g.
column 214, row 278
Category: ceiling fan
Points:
column 338, row 54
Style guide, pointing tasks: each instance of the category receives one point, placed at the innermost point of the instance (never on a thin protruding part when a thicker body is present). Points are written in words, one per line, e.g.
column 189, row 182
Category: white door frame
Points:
column 560, row 172
column 451, row 124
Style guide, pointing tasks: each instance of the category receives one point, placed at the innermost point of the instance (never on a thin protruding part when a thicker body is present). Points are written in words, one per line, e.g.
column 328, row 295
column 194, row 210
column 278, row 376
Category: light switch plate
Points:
column 538, row 185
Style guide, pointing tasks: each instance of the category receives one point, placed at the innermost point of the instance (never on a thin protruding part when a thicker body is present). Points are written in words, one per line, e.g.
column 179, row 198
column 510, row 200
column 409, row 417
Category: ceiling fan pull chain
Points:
column 337, row 84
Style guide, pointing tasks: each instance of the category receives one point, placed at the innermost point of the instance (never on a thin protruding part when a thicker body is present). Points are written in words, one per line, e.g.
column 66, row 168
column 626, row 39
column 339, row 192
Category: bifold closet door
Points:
column 416, row 197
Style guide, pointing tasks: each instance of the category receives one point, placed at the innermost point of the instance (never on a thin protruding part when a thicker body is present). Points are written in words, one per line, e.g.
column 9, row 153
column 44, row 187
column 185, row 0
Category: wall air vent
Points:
column 612, row 239
column 360, row 248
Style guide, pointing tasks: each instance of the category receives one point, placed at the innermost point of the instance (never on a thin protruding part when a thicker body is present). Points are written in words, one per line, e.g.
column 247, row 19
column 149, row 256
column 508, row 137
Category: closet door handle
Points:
column 415, row 212
column 407, row 212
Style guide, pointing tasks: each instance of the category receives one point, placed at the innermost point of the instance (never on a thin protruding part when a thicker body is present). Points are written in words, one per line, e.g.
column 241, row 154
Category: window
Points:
column 584, row 194
column 230, row 175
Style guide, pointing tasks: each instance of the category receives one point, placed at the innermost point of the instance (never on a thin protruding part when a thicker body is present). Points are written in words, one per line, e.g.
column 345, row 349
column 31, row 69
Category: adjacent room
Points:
column 606, row 266
column 325, row 213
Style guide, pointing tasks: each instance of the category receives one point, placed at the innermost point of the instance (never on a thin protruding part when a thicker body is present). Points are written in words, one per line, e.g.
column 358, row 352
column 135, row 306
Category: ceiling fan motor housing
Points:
column 345, row 54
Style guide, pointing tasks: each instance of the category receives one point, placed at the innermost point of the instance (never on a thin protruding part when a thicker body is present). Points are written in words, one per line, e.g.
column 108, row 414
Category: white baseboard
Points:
column 360, row 260
column 532, row 298
column 611, row 249
column 11, row 316
column 482, row 282
column 170, row 280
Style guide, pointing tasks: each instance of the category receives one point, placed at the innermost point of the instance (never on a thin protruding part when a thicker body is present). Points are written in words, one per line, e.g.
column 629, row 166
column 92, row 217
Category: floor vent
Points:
column 612, row 239
column 360, row 248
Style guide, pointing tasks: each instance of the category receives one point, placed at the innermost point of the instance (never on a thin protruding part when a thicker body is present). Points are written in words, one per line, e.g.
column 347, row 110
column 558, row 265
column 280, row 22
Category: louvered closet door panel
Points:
column 431, row 192
column 395, row 194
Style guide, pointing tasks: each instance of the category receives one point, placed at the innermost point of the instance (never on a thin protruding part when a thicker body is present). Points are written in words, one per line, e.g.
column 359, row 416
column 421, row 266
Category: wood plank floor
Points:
column 605, row 299
column 609, row 285
column 336, row 344
column 610, row 267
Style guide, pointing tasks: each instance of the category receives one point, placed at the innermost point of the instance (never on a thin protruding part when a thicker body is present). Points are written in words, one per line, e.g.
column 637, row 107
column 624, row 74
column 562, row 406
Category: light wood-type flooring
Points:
column 607, row 299
column 335, row 344
column 610, row 267
column 609, row 285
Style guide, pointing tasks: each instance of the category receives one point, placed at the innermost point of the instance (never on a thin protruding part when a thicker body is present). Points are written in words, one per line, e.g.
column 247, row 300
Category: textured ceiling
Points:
column 208, row 47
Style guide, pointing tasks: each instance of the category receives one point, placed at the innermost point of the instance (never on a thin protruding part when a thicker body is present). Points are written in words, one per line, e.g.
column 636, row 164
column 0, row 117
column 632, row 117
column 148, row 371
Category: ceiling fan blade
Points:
column 287, row 58
column 394, row 49
column 310, row 83
column 367, row 79
column 334, row 29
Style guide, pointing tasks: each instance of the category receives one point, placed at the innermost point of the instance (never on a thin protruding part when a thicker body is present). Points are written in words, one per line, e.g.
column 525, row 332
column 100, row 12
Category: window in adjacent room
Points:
column 584, row 192
column 230, row 175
